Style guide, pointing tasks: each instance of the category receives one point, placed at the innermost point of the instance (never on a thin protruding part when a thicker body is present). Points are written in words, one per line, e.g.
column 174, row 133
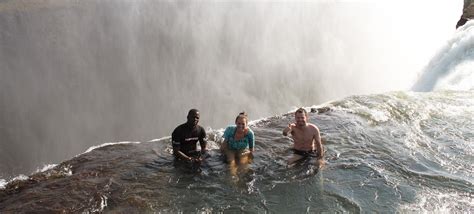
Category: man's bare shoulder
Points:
column 313, row 127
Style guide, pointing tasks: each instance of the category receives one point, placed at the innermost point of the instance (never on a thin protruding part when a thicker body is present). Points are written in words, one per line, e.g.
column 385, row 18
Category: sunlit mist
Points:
column 80, row 73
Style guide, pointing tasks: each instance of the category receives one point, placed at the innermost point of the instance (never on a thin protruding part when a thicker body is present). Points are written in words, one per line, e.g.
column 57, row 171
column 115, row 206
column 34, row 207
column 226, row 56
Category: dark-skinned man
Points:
column 186, row 136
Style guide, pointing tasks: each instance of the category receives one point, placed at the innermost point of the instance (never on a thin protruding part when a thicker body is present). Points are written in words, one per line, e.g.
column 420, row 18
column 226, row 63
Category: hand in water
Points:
column 204, row 155
column 195, row 160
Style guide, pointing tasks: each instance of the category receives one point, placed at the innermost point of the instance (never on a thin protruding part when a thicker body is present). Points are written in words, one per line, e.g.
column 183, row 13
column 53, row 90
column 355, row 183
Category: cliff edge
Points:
column 467, row 13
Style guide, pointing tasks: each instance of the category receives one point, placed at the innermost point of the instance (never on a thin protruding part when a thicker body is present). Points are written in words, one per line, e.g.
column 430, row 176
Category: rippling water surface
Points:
column 405, row 152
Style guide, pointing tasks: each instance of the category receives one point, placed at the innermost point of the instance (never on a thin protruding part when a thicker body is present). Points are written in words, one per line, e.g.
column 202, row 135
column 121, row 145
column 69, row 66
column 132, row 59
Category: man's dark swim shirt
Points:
column 185, row 137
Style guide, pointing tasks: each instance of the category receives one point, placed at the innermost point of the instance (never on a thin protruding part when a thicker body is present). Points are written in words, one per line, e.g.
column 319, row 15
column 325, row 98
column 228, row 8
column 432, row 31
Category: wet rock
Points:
column 320, row 110
column 467, row 13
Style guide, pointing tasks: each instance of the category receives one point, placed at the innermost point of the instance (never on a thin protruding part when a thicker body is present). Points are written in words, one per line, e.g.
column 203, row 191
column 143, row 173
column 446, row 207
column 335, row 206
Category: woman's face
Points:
column 241, row 123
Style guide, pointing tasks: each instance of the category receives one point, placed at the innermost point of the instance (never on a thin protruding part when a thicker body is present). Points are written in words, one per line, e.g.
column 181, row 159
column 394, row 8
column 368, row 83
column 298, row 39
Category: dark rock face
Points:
column 467, row 13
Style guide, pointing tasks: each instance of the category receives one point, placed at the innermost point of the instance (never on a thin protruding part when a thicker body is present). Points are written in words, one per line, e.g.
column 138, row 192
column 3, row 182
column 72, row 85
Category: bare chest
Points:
column 302, row 136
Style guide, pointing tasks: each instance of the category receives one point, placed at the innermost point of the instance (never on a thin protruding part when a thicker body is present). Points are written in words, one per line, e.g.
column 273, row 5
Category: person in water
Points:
column 306, row 137
column 239, row 142
column 185, row 137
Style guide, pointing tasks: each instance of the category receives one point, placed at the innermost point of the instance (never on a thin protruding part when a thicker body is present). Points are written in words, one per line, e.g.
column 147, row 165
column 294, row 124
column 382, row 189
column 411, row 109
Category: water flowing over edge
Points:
column 406, row 121
column 451, row 68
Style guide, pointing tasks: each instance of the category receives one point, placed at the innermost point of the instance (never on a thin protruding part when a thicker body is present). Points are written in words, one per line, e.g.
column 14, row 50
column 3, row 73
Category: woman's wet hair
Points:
column 242, row 115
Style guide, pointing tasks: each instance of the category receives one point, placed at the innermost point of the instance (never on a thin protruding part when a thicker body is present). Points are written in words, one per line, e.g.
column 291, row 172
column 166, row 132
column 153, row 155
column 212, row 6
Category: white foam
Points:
column 293, row 109
column 159, row 139
column 3, row 183
column 451, row 68
column 45, row 168
column 214, row 138
column 375, row 113
column 20, row 177
column 461, row 78
column 433, row 201
column 107, row 144
column 378, row 115
column 103, row 204
column 68, row 170
column 253, row 122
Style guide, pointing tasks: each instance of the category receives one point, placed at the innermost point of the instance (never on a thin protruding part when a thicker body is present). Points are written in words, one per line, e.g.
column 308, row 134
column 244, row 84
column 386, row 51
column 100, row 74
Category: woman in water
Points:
column 239, row 142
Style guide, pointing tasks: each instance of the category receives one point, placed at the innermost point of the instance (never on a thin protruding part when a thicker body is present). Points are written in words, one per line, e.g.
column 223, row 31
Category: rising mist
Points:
column 80, row 73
